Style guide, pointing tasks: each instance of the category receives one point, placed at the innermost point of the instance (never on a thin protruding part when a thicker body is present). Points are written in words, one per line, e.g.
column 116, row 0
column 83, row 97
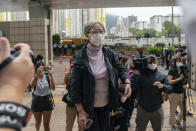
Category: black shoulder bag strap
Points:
column 48, row 79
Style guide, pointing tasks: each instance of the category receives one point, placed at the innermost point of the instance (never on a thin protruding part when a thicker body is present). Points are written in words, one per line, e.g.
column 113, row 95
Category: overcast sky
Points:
column 143, row 13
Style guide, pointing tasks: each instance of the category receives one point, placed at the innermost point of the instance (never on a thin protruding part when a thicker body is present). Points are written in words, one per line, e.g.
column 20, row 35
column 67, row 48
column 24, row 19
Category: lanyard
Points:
column 8, row 60
column 13, row 55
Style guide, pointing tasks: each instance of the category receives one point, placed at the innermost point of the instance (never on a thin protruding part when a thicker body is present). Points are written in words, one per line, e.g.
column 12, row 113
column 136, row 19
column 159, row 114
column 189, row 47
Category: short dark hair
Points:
column 71, row 60
column 38, row 64
column 39, row 57
column 122, row 52
column 124, row 60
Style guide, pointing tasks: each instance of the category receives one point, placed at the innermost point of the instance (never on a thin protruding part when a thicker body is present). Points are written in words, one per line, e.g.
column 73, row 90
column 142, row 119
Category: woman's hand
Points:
column 127, row 90
column 49, row 72
column 158, row 84
column 181, row 77
column 39, row 70
column 186, row 86
column 82, row 119
column 16, row 76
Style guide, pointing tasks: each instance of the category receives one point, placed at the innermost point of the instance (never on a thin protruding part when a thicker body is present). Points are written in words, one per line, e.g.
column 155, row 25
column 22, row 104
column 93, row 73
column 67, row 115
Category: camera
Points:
column 184, row 72
column 46, row 68
column 121, row 88
column 14, row 54
column 17, row 53
column 140, row 63
column 120, row 112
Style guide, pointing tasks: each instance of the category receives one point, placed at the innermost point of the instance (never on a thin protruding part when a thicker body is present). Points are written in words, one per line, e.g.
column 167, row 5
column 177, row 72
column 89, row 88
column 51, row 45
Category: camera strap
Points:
column 48, row 79
column 13, row 115
column 9, row 60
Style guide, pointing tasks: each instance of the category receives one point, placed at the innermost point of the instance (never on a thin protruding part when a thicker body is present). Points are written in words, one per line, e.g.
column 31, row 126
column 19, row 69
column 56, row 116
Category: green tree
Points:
column 141, row 33
column 167, row 31
column 56, row 38
column 151, row 32
column 133, row 31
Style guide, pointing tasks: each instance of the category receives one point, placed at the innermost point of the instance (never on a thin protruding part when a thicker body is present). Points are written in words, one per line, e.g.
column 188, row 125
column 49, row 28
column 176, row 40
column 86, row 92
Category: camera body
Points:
column 120, row 112
column 140, row 63
column 17, row 53
column 46, row 68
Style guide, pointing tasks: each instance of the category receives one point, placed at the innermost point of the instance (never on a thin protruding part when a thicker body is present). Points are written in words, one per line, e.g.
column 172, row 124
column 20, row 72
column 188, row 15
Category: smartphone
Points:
column 89, row 123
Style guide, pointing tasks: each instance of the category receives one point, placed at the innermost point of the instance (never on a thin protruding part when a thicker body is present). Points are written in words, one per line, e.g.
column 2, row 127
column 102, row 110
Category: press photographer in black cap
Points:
column 150, row 85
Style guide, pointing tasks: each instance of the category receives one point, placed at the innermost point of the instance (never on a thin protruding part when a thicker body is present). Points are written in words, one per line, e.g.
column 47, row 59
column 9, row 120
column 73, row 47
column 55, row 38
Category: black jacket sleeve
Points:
column 76, row 88
column 122, row 71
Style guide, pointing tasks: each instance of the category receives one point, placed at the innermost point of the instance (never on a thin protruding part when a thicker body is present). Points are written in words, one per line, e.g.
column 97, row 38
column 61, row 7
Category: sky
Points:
column 143, row 13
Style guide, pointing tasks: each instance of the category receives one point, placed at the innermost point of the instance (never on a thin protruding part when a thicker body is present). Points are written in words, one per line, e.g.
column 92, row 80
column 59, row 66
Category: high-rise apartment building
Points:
column 141, row 25
column 75, row 19
column 14, row 16
column 156, row 22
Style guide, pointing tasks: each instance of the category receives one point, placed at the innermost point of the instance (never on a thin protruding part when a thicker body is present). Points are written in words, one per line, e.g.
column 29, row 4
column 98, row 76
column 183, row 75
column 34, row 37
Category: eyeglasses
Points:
column 96, row 32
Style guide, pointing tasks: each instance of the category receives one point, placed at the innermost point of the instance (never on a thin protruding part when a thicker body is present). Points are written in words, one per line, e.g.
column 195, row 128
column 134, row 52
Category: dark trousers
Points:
column 163, row 61
column 143, row 117
column 167, row 64
column 73, row 51
column 65, row 51
column 132, row 100
column 100, row 119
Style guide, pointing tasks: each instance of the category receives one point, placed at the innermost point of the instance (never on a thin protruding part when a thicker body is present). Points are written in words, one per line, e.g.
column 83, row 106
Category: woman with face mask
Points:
column 42, row 103
column 175, row 77
column 93, row 83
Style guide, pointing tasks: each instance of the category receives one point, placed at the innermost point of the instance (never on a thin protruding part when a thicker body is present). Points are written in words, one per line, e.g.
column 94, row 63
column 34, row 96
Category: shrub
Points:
column 155, row 50
column 172, row 50
column 56, row 38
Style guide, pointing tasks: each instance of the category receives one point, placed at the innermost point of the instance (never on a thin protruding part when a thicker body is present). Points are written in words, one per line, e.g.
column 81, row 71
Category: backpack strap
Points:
column 48, row 79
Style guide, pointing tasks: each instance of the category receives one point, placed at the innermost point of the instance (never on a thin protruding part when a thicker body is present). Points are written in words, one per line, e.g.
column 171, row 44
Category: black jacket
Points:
column 83, row 82
column 149, row 97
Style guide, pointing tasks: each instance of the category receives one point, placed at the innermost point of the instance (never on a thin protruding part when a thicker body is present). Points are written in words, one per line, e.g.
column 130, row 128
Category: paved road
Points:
column 58, row 117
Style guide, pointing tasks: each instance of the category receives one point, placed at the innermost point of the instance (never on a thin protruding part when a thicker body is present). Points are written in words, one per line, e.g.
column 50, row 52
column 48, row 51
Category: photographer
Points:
column 14, row 78
column 119, row 117
column 149, row 86
column 71, row 111
column 176, row 77
column 133, row 74
column 42, row 103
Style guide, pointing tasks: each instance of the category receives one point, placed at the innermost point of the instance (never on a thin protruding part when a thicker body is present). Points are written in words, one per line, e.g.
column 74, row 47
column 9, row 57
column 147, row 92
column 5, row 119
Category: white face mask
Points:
column 97, row 39
column 179, row 64
column 152, row 66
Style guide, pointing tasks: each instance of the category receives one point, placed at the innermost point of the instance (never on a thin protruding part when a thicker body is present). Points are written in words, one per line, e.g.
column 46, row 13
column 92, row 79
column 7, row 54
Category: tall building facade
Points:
column 58, row 21
column 141, row 25
column 14, row 16
column 156, row 22
column 177, row 19
column 132, row 19
column 75, row 19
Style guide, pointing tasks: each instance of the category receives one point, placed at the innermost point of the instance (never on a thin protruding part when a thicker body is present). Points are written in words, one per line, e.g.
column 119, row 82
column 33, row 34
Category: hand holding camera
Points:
column 17, row 73
column 40, row 70
column 181, row 77
column 83, row 121
column 48, row 70
column 158, row 84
